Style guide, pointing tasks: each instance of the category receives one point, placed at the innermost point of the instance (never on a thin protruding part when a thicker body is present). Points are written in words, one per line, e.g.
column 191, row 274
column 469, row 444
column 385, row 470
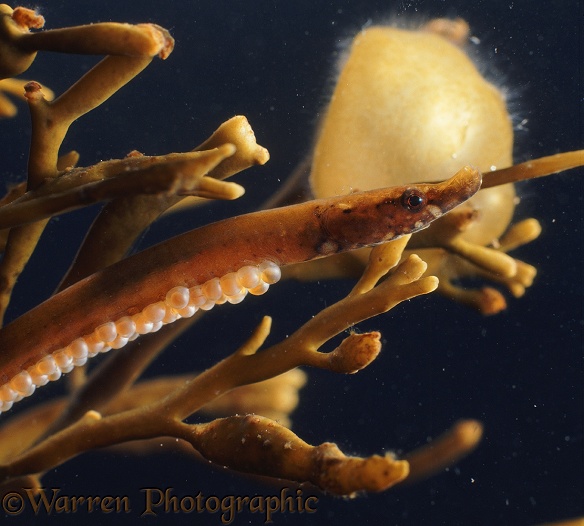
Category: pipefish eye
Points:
column 413, row 200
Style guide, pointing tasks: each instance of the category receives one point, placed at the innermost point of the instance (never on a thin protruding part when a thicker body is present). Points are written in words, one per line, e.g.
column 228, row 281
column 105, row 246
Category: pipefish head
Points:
column 373, row 217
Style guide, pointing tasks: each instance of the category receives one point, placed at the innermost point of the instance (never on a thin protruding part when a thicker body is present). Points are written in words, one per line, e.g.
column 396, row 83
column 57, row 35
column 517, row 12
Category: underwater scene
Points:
column 475, row 378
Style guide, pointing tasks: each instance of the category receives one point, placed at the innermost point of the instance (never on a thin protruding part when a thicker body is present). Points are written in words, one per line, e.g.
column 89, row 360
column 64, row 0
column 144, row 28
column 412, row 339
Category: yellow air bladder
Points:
column 411, row 106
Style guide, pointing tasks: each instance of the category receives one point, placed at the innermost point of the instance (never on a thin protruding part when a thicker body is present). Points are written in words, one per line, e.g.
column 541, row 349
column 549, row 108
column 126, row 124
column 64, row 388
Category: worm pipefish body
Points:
column 205, row 266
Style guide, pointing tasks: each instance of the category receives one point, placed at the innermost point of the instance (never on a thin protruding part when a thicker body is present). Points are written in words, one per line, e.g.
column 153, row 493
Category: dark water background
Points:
column 520, row 372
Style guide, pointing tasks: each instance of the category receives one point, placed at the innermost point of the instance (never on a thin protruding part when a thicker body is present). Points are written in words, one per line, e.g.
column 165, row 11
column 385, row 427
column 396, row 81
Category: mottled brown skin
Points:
column 283, row 235
column 373, row 217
